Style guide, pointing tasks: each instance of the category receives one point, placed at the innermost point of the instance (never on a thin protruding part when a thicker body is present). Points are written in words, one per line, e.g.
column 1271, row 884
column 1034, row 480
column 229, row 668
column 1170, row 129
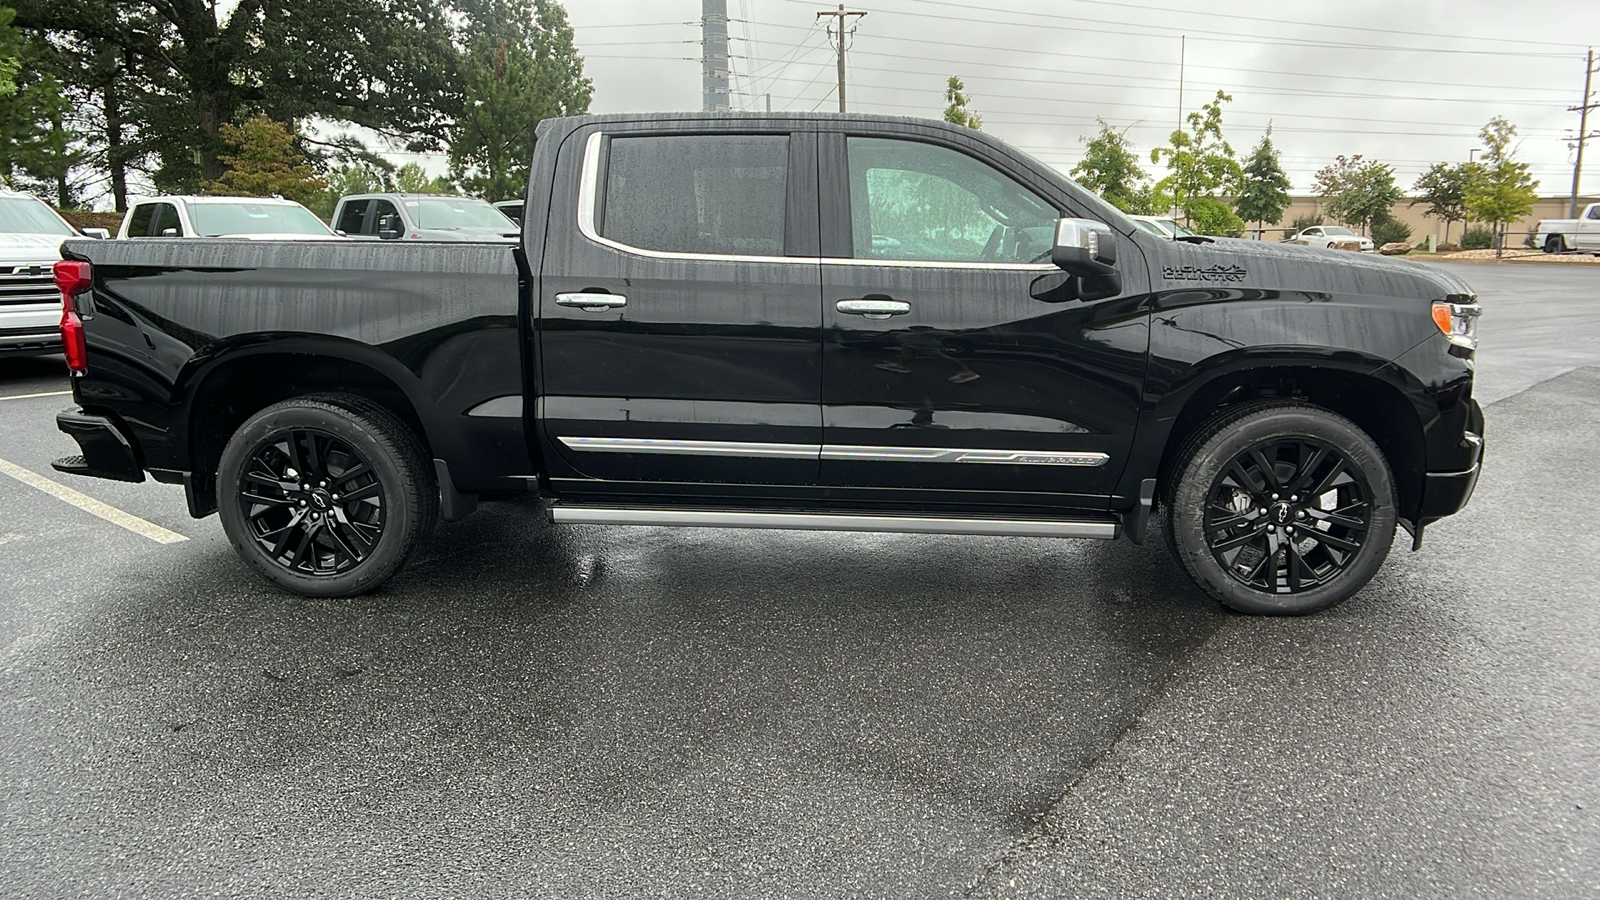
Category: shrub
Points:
column 1449, row 248
column 1389, row 230
column 1477, row 239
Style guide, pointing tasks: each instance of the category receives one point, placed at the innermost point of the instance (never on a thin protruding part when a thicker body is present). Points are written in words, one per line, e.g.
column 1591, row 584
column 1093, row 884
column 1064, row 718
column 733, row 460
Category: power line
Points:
column 841, row 36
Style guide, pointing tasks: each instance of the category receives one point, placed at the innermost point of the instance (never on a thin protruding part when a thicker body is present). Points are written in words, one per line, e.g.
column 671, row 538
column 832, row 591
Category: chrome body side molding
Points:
column 714, row 518
column 837, row 452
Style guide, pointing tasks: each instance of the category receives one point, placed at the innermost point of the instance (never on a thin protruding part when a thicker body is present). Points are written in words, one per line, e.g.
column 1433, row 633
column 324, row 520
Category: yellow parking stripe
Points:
column 92, row 506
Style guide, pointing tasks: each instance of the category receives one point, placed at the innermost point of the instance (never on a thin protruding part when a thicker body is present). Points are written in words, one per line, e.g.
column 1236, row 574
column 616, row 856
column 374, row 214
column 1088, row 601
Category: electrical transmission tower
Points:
column 714, row 55
column 840, row 30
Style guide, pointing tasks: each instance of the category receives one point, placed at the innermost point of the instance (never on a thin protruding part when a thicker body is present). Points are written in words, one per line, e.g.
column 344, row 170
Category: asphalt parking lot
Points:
column 609, row 712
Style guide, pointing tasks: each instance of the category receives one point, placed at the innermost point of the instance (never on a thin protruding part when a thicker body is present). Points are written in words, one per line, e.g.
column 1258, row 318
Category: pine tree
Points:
column 1264, row 187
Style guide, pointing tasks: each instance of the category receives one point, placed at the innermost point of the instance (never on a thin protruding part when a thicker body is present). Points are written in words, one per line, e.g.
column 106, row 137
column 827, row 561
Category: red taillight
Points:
column 73, row 278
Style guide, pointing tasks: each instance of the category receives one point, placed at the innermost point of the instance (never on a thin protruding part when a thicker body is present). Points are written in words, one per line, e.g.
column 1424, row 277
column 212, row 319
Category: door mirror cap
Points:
column 100, row 234
column 389, row 227
column 170, row 232
column 1085, row 247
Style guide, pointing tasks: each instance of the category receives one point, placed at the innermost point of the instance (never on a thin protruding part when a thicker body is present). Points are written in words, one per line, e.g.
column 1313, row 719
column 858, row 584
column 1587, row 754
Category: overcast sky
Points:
column 1409, row 83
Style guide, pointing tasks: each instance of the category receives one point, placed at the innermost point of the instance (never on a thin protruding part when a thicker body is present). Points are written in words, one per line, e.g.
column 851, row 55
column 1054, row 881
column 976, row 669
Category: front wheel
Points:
column 1281, row 508
column 325, row 495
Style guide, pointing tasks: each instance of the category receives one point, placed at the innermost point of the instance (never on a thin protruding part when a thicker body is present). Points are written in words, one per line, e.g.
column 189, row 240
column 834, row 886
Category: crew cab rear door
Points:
column 679, row 309
column 951, row 359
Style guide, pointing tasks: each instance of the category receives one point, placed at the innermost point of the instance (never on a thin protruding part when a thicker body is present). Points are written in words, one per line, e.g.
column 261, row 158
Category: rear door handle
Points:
column 591, row 302
column 873, row 309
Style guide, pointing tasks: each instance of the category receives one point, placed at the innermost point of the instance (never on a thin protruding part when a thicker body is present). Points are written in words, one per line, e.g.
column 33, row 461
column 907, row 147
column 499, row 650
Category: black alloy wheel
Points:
column 1279, row 507
column 326, row 495
column 1287, row 515
column 313, row 503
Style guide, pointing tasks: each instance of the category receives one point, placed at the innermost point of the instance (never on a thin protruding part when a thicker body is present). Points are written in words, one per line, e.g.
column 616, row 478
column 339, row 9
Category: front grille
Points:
column 32, row 283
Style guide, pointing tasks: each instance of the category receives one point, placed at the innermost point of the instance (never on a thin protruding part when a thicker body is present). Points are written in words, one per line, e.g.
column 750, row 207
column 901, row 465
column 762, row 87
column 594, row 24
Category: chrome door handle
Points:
column 591, row 302
column 873, row 309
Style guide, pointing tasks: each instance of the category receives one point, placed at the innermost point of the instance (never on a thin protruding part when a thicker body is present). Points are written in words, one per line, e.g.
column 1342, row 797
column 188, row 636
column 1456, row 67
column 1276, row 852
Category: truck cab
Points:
column 422, row 217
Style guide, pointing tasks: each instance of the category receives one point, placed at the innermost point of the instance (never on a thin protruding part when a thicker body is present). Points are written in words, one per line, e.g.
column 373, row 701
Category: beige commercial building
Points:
column 1421, row 226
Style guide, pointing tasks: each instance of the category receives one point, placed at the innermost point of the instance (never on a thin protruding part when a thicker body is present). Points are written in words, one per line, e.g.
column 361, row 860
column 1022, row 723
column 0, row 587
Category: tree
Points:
column 413, row 179
column 266, row 163
column 1199, row 162
column 521, row 69
column 955, row 111
column 1444, row 188
column 10, row 52
column 1500, row 190
column 1111, row 169
column 1263, row 187
column 1355, row 190
column 36, row 140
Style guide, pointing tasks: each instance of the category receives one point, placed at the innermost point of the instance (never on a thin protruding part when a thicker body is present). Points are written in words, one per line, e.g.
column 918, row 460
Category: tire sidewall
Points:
column 1197, row 477
column 391, row 549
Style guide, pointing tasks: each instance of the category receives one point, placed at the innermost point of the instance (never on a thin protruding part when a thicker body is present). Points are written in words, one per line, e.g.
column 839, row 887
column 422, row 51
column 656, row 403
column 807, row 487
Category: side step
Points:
column 565, row 514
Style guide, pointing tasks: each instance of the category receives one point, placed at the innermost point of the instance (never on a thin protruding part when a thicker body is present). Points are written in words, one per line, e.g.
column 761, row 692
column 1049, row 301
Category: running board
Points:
column 562, row 514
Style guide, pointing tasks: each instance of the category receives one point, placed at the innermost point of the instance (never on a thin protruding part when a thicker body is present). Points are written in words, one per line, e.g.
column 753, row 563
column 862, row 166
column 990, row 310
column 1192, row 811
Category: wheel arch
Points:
column 1358, row 388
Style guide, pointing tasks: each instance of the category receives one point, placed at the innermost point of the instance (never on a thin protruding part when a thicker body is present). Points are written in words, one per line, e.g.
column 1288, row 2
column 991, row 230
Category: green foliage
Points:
column 955, row 111
column 1212, row 216
column 1199, row 161
column 1357, row 191
column 1386, row 229
column 1477, row 239
column 1263, row 187
column 1111, row 169
column 413, row 179
column 265, row 162
column 1499, row 189
column 37, row 151
column 1444, row 188
column 521, row 69
column 10, row 52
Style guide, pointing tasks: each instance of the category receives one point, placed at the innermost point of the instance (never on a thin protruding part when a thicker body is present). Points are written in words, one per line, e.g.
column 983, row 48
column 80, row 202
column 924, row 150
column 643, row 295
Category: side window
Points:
column 352, row 217
column 1594, row 212
column 166, row 217
column 1314, row 232
column 143, row 217
column 721, row 194
column 381, row 208
column 917, row 201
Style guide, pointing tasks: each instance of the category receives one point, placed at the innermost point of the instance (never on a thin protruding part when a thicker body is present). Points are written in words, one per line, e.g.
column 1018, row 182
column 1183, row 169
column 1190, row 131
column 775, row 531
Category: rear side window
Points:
column 140, row 221
column 350, row 218
column 714, row 194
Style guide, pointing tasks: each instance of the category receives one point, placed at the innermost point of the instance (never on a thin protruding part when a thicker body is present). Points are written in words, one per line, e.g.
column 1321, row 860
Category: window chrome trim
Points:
column 1087, row 459
column 588, row 202
column 715, row 518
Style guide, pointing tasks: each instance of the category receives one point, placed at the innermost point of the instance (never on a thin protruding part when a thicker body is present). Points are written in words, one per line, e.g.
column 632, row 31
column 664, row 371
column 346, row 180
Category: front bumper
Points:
column 107, row 452
column 1445, row 493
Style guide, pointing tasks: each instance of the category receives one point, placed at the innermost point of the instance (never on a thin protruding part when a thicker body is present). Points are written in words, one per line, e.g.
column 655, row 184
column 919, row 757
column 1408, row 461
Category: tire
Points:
column 1327, row 484
column 326, row 495
column 1555, row 243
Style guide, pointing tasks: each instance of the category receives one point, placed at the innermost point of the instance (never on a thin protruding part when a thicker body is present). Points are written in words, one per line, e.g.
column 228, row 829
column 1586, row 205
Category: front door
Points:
column 679, row 315
column 951, row 359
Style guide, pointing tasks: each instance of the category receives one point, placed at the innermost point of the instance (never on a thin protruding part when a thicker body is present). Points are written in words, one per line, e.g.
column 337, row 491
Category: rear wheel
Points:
column 1281, row 508
column 326, row 495
column 1555, row 243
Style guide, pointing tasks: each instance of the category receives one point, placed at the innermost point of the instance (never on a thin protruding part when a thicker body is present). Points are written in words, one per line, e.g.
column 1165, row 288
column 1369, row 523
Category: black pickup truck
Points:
column 850, row 323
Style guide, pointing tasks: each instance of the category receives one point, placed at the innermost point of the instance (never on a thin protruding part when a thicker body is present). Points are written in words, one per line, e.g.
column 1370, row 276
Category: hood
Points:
column 1237, row 263
column 15, row 248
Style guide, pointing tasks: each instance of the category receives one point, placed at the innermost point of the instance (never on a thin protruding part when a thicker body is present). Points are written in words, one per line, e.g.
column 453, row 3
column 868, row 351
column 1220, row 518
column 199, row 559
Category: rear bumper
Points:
column 107, row 452
column 1445, row 493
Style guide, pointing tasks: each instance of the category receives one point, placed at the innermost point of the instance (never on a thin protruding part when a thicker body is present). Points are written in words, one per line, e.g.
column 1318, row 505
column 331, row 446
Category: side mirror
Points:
column 97, row 233
column 1085, row 248
column 389, row 227
column 169, row 232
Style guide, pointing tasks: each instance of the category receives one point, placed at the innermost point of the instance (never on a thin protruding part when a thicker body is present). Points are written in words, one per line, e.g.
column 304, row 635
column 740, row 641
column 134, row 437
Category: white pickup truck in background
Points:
column 1582, row 233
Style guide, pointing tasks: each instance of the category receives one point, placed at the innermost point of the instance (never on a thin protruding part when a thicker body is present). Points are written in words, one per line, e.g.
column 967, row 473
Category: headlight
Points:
column 1458, row 322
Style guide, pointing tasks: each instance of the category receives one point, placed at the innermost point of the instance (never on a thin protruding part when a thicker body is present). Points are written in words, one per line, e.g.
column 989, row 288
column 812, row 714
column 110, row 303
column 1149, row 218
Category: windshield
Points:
column 457, row 212
column 25, row 215
column 1335, row 229
column 218, row 219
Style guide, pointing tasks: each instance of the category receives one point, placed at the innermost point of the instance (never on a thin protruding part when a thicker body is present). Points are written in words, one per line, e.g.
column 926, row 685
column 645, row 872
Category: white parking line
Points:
column 31, row 396
column 90, row 505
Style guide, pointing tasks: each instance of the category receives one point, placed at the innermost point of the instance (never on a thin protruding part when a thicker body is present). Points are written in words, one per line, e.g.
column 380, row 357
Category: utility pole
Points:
column 1582, row 109
column 839, row 31
column 714, row 55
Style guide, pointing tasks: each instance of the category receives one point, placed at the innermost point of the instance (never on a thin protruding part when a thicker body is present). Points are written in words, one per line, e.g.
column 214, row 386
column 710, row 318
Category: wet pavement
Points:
column 611, row 712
